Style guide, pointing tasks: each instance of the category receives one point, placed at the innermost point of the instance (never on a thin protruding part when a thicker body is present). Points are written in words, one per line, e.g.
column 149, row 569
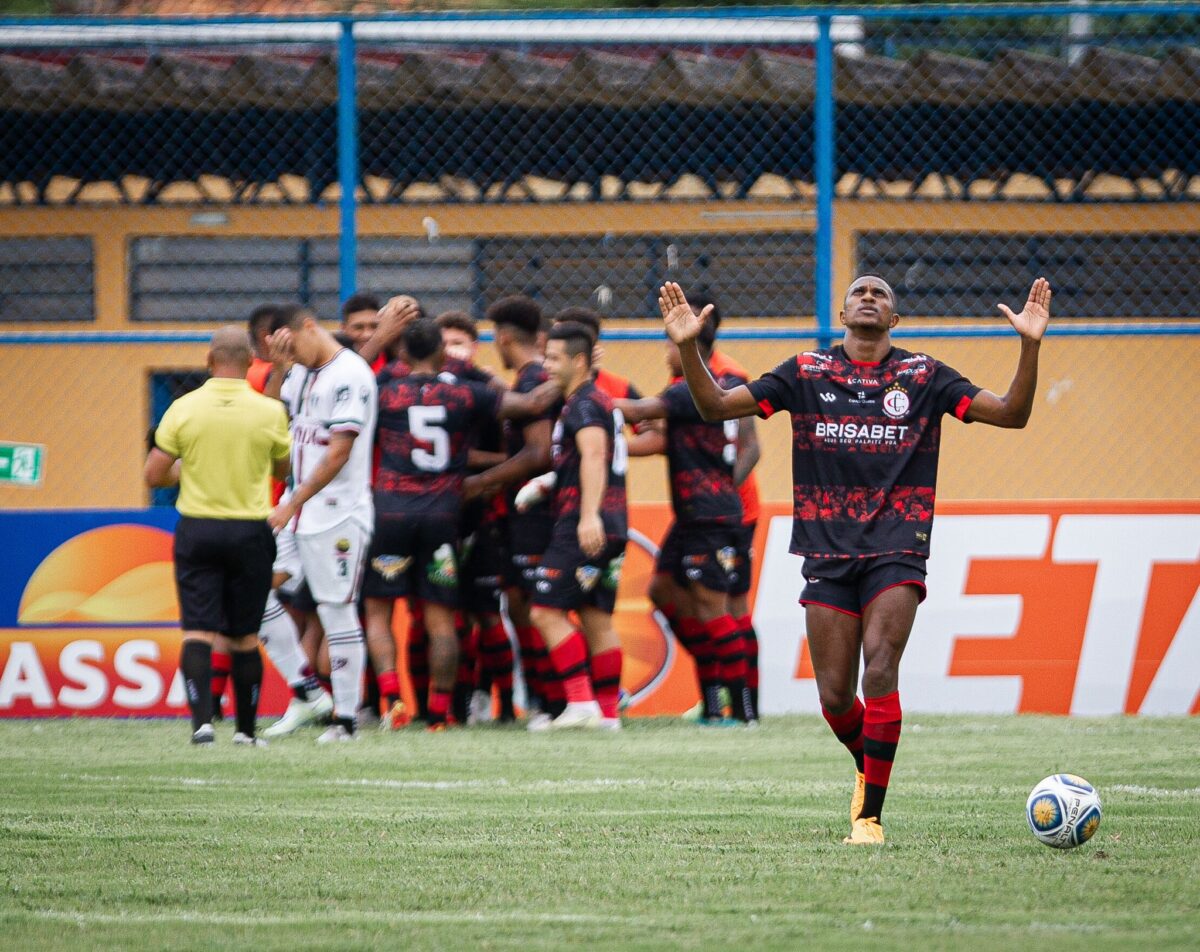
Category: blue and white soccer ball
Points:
column 1063, row 811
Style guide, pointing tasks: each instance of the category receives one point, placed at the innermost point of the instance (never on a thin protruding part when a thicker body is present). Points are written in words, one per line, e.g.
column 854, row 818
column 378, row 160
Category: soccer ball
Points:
column 1063, row 811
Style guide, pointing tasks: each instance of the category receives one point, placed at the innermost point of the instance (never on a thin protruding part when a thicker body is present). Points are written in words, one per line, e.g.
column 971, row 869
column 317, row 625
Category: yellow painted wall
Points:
column 1114, row 417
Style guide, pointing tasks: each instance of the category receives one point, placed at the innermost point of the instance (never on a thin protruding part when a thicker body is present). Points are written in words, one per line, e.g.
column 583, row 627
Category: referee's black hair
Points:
column 577, row 338
column 422, row 338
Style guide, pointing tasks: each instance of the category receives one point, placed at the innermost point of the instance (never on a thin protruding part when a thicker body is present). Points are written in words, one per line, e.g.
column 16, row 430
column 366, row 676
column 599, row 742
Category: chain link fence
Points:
column 159, row 178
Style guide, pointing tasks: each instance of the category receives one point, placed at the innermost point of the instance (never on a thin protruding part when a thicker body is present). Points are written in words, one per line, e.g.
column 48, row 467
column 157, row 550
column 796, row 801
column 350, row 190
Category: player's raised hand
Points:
column 279, row 346
column 395, row 316
column 1031, row 322
column 681, row 323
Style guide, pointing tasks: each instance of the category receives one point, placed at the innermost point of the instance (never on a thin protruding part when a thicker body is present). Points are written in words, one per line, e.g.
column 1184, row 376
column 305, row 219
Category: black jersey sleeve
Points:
column 954, row 392
column 776, row 389
column 587, row 413
column 485, row 403
column 681, row 408
column 634, row 393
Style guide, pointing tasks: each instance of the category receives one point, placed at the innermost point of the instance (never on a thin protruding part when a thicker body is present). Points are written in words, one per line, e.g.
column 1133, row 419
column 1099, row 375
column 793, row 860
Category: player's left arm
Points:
column 592, row 442
column 748, row 451
column 340, row 445
column 1012, row 410
column 534, row 403
column 647, row 443
column 638, row 411
column 533, row 458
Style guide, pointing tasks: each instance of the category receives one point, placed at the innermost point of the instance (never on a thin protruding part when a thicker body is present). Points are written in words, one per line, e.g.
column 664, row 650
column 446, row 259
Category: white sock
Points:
column 279, row 636
column 347, row 657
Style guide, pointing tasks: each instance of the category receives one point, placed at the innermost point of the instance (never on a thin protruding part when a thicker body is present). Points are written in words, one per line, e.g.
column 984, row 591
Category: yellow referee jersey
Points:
column 228, row 437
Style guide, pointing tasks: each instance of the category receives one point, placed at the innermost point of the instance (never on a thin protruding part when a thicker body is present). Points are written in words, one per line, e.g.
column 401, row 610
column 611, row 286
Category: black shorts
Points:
column 850, row 585
column 567, row 579
column 743, row 567
column 414, row 554
column 223, row 574
column 528, row 539
column 702, row 553
column 483, row 568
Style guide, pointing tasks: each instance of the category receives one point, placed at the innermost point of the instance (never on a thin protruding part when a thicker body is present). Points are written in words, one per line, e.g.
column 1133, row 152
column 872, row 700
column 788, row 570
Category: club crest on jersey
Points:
column 342, row 546
column 896, row 402
column 727, row 558
column 587, row 576
column 390, row 566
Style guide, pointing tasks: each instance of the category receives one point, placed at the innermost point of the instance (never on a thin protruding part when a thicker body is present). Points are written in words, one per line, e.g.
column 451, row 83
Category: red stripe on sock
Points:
column 569, row 658
column 881, row 722
column 847, row 721
column 606, row 674
column 439, row 703
column 389, row 684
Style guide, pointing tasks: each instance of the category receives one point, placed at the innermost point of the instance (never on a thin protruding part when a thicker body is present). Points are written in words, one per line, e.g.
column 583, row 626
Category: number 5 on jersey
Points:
column 427, row 425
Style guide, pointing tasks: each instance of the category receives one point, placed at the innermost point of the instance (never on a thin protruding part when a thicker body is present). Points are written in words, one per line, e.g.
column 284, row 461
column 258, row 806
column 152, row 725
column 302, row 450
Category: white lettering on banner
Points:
column 23, row 677
column 1176, row 686
column 91, row 685
column 948, row 613
column 175, row 696
column 1125, row 549
column 128, row 662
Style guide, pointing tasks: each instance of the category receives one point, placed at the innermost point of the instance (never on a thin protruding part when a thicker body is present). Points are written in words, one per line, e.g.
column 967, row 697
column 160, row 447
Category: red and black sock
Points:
column 750, row 647
column 221, row 666
column 247, row 671
column 881, row 734
column 848, row 726
column 389, row 688
column 694, row 637
column 532, row 649
column 418, row 659
column 726, row 639
column 438, row 707
column 468, row 659
column 371, row 695
column 570, row 661
column 497, row 654
column 606, row 679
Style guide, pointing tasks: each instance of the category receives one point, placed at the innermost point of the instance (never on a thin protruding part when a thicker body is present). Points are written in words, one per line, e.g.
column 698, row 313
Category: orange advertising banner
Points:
column 1085, row 608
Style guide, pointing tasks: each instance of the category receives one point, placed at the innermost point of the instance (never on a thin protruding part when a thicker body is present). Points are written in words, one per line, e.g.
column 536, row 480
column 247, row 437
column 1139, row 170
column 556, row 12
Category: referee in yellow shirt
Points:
column 222, row 444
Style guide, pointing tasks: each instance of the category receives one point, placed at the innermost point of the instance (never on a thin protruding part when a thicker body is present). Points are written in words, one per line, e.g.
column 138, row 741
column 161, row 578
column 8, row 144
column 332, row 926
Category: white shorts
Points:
column 287, row 561
column 333, row 561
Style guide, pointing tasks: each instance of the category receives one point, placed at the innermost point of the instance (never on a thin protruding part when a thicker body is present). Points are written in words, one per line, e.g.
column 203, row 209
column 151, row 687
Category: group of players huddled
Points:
column 418, row 475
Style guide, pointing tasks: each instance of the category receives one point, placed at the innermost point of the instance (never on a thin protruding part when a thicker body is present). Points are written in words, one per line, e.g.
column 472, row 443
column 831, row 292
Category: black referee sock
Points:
column 247, row 674
column 195, row 662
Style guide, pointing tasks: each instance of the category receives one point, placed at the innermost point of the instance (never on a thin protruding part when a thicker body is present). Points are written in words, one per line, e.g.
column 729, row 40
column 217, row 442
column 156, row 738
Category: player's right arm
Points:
column 340, row 444
column 639, row 411
column 393, row 318
column 592, row 442
column 683, row 327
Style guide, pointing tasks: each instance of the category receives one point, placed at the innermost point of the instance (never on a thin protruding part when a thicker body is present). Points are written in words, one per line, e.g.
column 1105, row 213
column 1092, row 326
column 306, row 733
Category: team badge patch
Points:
column 391, row 566
column 443, row 570
column 895, row 403
column 612, row 577
column 727, row 558
column 342, row 546
column 587, row 576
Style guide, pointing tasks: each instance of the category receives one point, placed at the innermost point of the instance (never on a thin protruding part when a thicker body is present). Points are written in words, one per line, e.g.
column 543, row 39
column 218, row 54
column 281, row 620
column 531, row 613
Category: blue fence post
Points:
column 347, row 146
column 823, row 178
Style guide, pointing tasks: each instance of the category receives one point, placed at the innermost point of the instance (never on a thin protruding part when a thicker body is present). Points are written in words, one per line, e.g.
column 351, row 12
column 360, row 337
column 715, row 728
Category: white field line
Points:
column 1188, row 793
column 336, row 916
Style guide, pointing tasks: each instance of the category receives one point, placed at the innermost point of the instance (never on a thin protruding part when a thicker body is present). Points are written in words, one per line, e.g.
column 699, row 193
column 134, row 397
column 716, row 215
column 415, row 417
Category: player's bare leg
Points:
column 569, row 656
column 887, row 622
column 381, row 647
column 835, row 647
column 443, row 661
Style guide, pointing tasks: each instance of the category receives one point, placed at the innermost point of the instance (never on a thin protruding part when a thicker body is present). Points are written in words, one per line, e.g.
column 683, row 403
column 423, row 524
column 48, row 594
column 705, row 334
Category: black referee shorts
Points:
column 223, row 574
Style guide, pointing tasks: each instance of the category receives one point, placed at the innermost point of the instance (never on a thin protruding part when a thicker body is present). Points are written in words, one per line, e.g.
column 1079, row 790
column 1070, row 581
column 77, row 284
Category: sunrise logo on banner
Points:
column 89, row 622
column 1088, row 609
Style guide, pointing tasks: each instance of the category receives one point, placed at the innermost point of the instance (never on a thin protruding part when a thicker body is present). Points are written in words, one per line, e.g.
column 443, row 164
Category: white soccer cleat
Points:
column 337, row 734
column 479, row 709
column 538, row 721
column 204, row 734
column 583, row 715
column 612, row 724
column 301, row 714
column 245, row 740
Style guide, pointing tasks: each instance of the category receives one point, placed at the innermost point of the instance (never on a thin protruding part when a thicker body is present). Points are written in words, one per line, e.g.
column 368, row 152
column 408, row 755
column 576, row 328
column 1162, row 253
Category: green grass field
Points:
column 119, row 834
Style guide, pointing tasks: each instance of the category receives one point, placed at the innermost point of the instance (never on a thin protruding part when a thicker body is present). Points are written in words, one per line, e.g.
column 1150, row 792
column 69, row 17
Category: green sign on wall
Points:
column 21, row 464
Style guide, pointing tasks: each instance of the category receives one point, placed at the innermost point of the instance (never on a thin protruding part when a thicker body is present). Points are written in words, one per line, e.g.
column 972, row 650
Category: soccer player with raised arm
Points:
column 866, row 425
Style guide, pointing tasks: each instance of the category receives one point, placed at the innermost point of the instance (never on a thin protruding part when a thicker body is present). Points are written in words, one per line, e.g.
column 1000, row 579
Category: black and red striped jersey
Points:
column 426, row 426
column 865, row 440
column 700, row 459
column 590, row 407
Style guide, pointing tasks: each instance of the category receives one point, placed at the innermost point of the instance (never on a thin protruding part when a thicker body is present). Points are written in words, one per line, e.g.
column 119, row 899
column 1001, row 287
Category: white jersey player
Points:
column 331, row 398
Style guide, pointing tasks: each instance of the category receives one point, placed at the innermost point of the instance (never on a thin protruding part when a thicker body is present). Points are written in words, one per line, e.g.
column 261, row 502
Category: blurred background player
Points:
column 698, row 559
column 360, row 320
column 331, row 398
column 865, row 471
column 221, row 444
column 581, row 568
column 518, row 321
